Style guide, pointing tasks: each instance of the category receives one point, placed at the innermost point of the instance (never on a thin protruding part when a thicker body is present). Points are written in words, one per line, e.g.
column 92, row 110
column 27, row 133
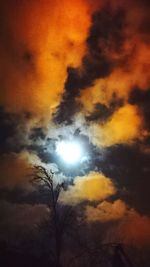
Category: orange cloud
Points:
column 133, row 229
column 130, row 62
column 106, row 211
column 130, row 227
column 14, row 170
column 134, row 72
column 39, row 40
column 123, row 127
column 94, row 186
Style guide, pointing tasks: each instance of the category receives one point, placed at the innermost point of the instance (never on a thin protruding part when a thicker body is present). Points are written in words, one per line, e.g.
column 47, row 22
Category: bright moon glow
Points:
column 69, row 151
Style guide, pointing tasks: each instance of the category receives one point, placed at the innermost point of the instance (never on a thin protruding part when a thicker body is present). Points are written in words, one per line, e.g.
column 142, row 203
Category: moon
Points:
column 70, row 152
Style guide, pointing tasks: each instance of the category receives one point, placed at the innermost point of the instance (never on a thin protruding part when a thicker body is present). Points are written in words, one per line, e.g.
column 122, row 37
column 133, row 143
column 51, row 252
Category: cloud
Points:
column 142, row 99
column 133, row 229
column 124, row 126
column 95, row 64
column 19, row 221
column 47, row 46
column 76, row 57
column 14, row 171
column 129, row 227
column 116, row 60
column 121, row 81
column 95, row 186
column 35, row 41
column 106, row 211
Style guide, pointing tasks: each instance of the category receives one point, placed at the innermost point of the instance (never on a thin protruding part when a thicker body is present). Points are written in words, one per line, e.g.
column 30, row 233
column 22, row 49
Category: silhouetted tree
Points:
column 85, row 251
column 59, row 220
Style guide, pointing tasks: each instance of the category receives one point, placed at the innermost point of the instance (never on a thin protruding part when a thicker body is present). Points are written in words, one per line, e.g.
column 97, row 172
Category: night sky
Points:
column 76, row 71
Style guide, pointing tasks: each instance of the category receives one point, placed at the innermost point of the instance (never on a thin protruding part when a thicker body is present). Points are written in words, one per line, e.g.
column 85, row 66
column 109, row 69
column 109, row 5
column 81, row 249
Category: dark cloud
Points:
column 105, row 36
column 13, row 130
column 8, row 126
column 106, row 33
column 21, row 221
column 22, row 196
column 102, row 112
column 129, row 167
column 37, row 133
column 142, row 99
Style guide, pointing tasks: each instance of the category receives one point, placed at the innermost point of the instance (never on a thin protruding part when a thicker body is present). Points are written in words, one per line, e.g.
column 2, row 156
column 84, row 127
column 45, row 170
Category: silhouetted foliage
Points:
column 61, row 216
column 63, row 221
